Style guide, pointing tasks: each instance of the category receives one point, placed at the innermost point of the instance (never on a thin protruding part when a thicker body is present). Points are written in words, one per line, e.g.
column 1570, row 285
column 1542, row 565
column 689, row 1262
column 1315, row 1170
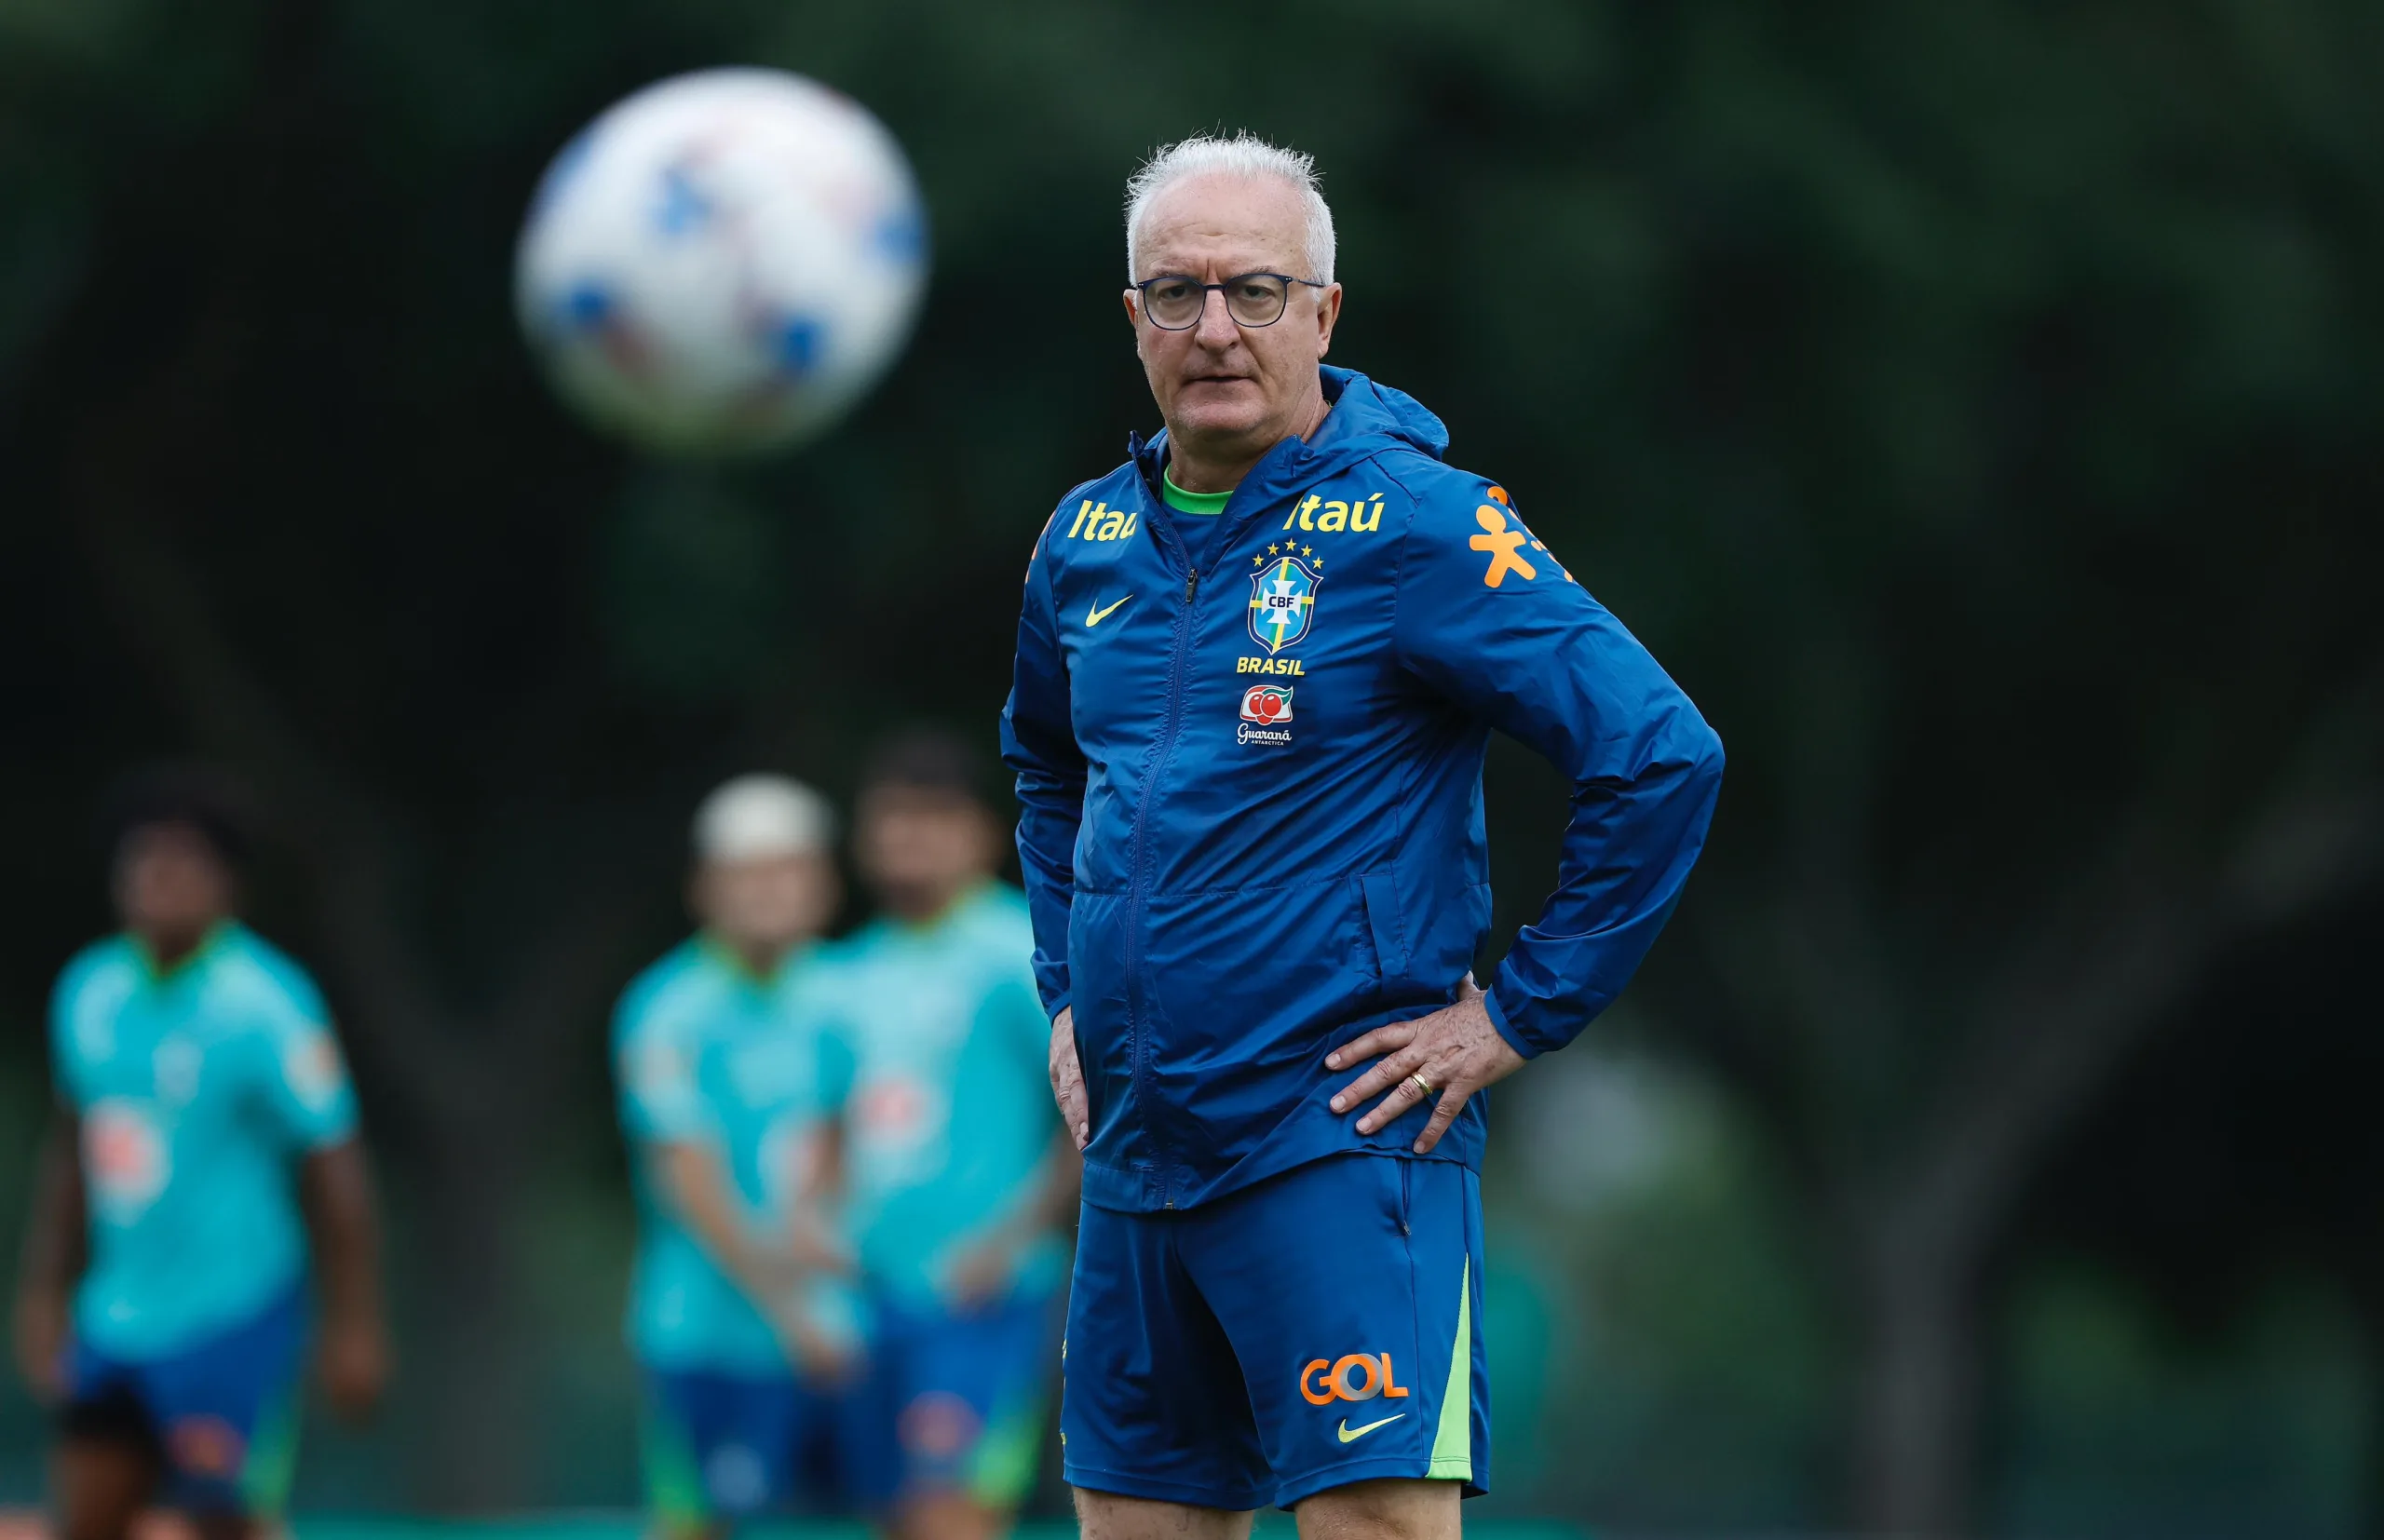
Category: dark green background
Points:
column 1976, row 405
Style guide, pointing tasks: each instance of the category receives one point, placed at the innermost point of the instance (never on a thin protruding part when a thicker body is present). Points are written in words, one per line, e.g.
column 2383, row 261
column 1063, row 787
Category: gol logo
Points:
column 1355, row 1377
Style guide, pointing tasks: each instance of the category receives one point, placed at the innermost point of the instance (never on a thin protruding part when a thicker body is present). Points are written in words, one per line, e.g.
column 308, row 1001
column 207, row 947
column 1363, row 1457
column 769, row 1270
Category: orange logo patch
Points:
column 892, row 1107
column 1354, row 1377
column 126, row 1154
column 1503, row 546
column 206, row 1446
column 938, row 1425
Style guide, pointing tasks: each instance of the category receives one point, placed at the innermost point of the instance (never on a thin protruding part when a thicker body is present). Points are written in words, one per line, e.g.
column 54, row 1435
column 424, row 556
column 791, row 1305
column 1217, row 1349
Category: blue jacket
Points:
column 1253, row 822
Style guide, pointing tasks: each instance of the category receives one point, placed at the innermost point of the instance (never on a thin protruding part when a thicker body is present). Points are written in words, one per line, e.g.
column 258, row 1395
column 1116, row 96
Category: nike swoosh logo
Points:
column 1351, row 1434
column 1095, row 617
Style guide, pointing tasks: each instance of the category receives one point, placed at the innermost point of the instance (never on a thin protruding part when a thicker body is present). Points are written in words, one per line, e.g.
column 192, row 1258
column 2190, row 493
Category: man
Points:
column 163, row 1303
column 1257, row 668
column 727, row 1088
column 962, row 1178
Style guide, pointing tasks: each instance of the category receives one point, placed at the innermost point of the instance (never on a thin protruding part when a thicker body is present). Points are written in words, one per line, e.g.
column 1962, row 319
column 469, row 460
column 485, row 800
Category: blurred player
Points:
column 961, row 1177
column 726, row 1091
column 163, row 1303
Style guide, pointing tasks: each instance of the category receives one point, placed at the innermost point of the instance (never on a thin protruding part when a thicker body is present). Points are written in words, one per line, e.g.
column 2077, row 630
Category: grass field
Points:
column 616, row 1526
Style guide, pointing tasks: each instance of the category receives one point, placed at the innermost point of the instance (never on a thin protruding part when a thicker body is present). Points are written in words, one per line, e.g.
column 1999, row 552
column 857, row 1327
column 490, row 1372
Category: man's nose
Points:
column 1216, row 329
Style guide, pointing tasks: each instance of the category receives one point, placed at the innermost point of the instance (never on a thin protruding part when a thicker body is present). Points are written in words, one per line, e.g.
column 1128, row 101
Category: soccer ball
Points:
column 724, row 263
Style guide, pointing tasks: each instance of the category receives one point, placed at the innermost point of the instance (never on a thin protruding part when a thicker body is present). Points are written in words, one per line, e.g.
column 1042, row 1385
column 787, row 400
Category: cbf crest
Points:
column 1282, row 602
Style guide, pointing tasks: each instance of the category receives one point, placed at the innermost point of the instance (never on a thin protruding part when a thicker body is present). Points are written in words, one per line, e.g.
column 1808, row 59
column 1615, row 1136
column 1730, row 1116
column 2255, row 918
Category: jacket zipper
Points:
column 1183, row 646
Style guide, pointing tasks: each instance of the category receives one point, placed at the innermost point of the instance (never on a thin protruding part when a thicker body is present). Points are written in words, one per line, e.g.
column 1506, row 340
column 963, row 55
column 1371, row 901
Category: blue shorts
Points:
column 954, row 1401
column 220, row 1416
column 718, row 1445
column 1313, row 1329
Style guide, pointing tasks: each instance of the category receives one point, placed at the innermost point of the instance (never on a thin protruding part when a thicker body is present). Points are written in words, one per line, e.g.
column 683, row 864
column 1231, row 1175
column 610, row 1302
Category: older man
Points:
column 1257, row 670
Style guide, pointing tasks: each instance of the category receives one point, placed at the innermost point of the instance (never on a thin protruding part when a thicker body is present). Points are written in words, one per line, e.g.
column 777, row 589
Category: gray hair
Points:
column 1244, row 155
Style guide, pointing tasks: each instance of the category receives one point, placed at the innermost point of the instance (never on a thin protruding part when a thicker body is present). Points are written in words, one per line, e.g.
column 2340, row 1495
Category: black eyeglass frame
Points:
column 1143, row 289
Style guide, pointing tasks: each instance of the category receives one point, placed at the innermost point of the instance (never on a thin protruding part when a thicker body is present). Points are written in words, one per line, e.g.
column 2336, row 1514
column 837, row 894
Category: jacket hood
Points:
column 1366, row 419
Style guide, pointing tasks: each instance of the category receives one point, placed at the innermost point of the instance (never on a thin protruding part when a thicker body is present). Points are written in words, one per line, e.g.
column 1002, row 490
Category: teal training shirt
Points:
column 950, row 1116
column 200, row 1088
column 707, row 1053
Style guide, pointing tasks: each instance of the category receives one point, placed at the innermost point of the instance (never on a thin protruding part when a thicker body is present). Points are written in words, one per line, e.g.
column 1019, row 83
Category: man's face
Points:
column 918, row 847
column 1218, row 382
column 170, row 883
column 766, row 904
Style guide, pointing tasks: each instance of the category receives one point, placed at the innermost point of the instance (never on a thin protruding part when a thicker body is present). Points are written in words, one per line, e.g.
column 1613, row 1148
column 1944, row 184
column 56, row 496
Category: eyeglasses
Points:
column 1176, row 304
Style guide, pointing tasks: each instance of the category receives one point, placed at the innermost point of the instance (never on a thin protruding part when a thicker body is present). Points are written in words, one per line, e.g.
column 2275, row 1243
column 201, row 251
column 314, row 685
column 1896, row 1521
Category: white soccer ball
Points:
column 724, row 263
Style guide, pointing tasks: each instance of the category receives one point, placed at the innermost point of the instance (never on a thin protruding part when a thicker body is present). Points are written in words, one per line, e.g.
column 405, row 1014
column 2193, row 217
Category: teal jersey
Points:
column 950, row 1114
column 198, row 1090
column 707, row 1053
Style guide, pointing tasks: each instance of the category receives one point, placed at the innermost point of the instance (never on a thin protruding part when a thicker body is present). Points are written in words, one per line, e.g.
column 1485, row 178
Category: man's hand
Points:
column 353, row 1363
column 820, row 1359
column 1456, row 1049
column 984, row 1267
column 40, row 1333
column 1067, row 1078
column 54, row 1255
column 812, row 1246
column 352, row 1355
column 988, row 1264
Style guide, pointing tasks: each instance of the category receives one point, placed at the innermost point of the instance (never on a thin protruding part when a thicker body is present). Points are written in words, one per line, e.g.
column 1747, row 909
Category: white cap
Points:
column 754, row 818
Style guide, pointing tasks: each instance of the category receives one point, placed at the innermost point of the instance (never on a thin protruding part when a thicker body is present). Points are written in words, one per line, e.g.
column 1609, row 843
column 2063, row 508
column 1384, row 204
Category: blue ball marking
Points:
column 684, row 209
column 797, row 343
column 902, row 236
column 586, row 305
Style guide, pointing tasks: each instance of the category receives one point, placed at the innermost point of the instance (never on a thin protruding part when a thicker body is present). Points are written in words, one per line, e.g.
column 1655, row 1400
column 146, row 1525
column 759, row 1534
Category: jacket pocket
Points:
column 1097, row 992
column 1383, row 926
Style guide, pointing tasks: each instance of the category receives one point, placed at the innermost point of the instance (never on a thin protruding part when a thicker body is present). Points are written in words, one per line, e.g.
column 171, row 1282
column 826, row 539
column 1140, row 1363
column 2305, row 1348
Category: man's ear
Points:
column 1328, row 313
column 1134, row 314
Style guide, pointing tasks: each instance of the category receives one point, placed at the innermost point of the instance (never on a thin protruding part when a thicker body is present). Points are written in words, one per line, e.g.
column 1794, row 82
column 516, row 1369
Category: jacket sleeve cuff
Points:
column 1506, row 1029
column 1053, row 986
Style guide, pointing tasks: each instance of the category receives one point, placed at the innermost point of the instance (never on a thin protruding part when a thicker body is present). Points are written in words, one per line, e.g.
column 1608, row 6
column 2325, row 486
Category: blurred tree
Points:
column 2034, row 378
column 2244, row 1160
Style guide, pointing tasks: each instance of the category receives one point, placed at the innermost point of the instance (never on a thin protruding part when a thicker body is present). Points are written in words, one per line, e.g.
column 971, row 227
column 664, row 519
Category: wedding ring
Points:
column 1423, row 1087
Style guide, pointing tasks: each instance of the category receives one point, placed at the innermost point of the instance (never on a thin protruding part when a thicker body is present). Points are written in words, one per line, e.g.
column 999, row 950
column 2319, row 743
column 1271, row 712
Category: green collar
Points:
column 734, row 961
column 930, row 924
column 208, row 945
column 1208, row 505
